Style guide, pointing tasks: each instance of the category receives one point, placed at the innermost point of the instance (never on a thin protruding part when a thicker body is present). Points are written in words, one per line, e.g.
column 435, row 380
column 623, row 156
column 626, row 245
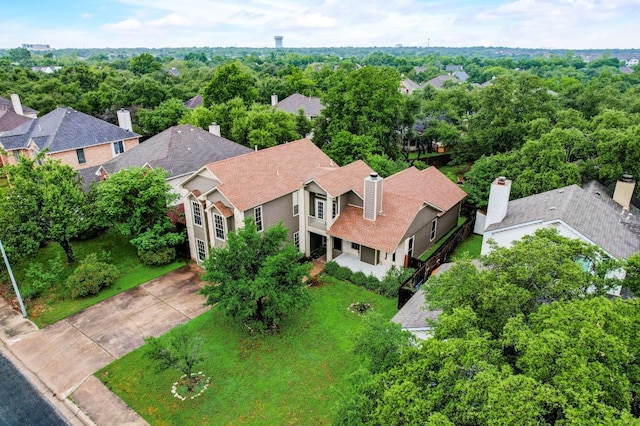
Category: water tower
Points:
column 278, row 42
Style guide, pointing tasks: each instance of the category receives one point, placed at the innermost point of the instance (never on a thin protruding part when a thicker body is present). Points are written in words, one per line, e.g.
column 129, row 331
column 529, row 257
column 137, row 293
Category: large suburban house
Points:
column 589, row 213
column 349, row 212
column 74, row 138
column 180, row 150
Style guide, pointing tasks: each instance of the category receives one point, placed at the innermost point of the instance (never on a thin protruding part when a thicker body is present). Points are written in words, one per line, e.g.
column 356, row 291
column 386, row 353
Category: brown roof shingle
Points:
column 346, row 178
column 258, row 177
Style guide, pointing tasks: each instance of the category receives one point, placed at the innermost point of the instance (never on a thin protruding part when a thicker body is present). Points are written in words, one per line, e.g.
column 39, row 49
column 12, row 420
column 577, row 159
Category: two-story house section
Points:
column 266, row 185
column 74, row 138
column 348, row 211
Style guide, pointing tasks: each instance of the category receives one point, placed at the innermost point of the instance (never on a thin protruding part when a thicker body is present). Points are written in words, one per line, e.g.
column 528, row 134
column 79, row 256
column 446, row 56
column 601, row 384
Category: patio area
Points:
column 352, row 262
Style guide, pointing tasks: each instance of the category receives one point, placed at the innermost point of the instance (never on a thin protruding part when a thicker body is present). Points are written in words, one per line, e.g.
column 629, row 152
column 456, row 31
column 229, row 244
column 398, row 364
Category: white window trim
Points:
column 295, row 202
column 113, row 148
column 434, row 229
column 324, row 209
column 258, row 212
column 296, row 240
column 196, row 206
column 218, row 225
column 201, row 248
column 411, row 246
column 334, row 208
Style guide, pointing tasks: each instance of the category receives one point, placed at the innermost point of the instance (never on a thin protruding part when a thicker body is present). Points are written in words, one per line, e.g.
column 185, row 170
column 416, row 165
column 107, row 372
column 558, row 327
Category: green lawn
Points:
column 54, row 306
column 471, row 246
column 293, row 377
column 452, row 172
column 441, row 241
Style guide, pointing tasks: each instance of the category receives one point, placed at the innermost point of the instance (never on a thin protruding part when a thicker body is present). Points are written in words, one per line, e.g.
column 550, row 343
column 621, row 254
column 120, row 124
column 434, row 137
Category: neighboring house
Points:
column 9, row 120
column 46, row 70
column 174, row 72
column 180, row 150
column 632, row 62
column 367, row 222
column 74, row 138
column 194, row 102
column 440, row 80
column 588, row 213
column 408, row 86
column 14, row 105
column 626, row 70
column 453, row 68
column 292, row 104
column 461, row 75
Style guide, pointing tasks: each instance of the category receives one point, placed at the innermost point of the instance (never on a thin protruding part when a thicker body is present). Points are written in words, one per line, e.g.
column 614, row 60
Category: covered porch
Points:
column 351, row 261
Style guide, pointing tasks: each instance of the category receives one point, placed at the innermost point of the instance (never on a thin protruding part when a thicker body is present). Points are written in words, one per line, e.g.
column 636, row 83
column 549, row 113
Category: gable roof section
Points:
column 439, row 81
column 404, row 195
column 310, row 105
column 194, row 102
column 346, row 178
column 179, row 150
column 64, row 129
column 429, row 186
column 410, row 85
column 9, row 120
column 590, row 211
column 255, row 178
column 6, row 104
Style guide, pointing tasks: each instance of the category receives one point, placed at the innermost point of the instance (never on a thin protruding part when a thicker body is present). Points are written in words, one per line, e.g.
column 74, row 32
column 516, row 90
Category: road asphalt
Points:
column 59, row 360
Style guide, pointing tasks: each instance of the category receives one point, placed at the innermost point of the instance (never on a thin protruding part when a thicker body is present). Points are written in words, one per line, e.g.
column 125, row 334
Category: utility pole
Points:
column 13, row 280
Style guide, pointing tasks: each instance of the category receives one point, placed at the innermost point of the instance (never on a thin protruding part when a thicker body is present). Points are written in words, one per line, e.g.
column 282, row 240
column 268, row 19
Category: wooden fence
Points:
column 440, row 256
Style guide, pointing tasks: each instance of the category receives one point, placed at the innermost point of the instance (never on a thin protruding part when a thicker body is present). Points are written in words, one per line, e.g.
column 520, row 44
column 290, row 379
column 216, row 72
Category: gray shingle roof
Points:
column 9, row 120
column 591, row 211
column 310, row 105
column 194, row 102
column 439, row 81
column 179, row 150
column 64, row 129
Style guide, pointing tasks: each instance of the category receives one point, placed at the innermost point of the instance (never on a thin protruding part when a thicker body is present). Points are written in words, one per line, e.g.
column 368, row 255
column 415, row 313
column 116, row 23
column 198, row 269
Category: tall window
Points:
column 410, row 247
column 296, row 240
column 434, row 227
column 202, row 251
column 295, row 203
column 334, row 210
column 320, row 209
column 219, row 224
column 257, row 215
column 118, row 147
column 197, row 213
column 80, row 155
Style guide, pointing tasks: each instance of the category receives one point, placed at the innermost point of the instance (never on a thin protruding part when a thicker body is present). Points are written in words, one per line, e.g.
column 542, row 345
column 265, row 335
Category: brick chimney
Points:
column 214, row 129
column 124, row 120
column 498, row 201
column 624, row 190
column 17, row 105
column 372, row 196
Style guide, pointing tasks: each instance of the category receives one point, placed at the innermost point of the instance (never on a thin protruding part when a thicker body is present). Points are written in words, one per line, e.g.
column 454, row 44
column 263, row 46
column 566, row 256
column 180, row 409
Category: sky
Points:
column 550, row 24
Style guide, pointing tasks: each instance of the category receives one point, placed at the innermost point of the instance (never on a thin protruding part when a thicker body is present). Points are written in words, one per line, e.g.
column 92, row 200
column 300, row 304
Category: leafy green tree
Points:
column 257, row 277
column 230, row 81
column 346, row 147
column 165, row 115
column 381, row 343
column 144, row 63
column 364, row 102
column 42, row 203
column 135, row 201
column 200, row 116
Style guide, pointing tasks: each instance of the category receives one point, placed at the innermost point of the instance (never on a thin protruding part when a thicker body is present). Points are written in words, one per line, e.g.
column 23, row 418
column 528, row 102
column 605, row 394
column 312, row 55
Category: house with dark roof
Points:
column 14, row 105
column 180, row 150
column 359, row 219
column 311, row 106
column 74, row 138
column 194, row 102
column 588, row 213
column 408, row 86
column 440, row 80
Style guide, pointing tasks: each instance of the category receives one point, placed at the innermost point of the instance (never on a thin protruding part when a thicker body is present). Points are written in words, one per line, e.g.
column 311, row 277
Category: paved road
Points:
column 20, row 402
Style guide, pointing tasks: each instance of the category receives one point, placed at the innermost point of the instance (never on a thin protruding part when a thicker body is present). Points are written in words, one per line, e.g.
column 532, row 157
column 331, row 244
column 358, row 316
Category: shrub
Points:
column 331, row 268
column 161, row 256
column 41, row 279
column 372, row 283
column 359, row 278
column 91, row 276
column 392, row 280
column 343, row 273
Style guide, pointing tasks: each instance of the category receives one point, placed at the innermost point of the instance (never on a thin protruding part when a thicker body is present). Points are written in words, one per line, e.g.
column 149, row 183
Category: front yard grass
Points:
column 292, row 377
column 54, row 306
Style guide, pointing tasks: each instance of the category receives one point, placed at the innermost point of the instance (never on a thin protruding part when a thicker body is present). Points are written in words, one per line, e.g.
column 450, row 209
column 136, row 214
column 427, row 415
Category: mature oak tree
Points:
column 257, row 277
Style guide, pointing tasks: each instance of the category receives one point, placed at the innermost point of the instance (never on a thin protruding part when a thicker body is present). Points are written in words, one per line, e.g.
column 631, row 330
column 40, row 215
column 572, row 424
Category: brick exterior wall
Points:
column 94, row 155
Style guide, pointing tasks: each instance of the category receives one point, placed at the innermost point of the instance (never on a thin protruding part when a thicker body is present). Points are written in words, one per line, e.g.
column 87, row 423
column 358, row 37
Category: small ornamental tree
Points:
column 257, row 277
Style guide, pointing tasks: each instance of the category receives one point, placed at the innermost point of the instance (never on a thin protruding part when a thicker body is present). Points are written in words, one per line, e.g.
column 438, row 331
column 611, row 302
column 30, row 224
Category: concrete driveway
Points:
column 64, row 355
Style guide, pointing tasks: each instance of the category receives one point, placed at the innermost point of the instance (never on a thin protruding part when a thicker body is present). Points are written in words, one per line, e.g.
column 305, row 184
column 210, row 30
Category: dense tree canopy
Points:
column 257, row 276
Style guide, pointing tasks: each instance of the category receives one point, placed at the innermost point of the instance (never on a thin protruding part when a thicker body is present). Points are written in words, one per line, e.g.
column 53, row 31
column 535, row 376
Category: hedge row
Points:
column 388, row 286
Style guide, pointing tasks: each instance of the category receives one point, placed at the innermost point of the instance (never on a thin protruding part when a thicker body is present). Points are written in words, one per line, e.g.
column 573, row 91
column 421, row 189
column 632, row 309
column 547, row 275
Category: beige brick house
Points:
column 348, row 211
column 74, row 138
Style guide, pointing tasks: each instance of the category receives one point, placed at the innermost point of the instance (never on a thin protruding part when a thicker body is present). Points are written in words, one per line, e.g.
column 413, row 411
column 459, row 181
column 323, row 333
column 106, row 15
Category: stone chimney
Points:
column 274, row 100
column 214, row 129
column 372, row 196
column 17, row 106
column 124, row 119
column 624, row 191
column 498, row 201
